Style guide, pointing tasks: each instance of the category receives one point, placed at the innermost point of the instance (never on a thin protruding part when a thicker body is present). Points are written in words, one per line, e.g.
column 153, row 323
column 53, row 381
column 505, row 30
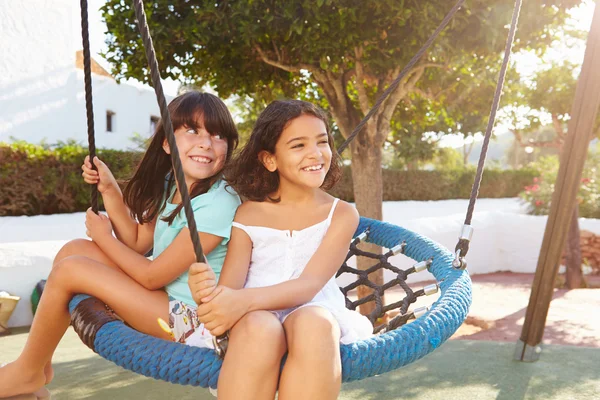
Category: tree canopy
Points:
column 352, row 49
column 545, row 102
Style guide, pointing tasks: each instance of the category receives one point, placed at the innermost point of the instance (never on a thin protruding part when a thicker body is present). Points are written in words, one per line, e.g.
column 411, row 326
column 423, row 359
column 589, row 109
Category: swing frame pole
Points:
column 572, row 159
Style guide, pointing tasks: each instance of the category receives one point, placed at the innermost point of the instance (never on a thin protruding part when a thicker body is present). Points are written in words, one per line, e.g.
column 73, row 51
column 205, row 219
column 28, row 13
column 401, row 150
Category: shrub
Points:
column 41, row 180
column 36, row 179
column 538, row 192
column 440, row 185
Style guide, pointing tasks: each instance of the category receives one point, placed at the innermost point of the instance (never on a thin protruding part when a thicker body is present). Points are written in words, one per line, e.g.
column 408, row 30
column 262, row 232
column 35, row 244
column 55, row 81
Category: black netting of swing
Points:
column 376, row 296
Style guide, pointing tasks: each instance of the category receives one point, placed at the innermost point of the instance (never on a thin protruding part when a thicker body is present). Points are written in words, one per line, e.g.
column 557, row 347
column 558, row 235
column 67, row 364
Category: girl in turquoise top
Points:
column 148, row 214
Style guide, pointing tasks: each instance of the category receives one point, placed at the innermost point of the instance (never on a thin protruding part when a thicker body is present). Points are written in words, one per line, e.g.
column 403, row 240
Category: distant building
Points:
column 42, row 93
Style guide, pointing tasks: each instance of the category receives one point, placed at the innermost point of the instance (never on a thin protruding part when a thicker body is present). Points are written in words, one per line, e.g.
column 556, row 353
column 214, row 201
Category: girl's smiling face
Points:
column 302, row 152
column 202, row 153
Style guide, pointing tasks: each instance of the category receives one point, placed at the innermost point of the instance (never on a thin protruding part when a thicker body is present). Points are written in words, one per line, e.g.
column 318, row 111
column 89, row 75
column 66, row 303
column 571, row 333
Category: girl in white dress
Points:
column 288, row 241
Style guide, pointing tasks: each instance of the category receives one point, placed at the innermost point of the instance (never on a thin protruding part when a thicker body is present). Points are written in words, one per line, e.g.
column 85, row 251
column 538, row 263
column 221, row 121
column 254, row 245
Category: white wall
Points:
column 505, row 240
column 132, row 106
column 42, row 93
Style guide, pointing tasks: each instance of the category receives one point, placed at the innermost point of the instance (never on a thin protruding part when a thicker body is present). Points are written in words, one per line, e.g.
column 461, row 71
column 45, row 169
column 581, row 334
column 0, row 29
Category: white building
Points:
column 42, row 93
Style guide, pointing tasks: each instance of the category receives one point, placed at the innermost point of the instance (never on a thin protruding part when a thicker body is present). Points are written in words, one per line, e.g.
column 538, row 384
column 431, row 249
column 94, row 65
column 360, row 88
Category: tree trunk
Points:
column 368, row 195
column 574, row 274
column 467, row 149
column 515, row 153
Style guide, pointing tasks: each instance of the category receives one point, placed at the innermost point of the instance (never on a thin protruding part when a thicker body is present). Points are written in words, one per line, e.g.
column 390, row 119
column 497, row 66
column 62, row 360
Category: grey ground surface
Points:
column 460, row 369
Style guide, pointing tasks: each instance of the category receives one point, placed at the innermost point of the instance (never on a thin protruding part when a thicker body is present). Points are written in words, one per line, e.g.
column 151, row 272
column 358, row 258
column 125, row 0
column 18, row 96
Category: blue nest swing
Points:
column 177, row 363
column 395, row 344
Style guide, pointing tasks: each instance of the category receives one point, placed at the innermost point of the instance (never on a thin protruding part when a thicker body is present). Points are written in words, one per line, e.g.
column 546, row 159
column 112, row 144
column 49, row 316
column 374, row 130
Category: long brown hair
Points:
column 246, row 173
column 153, row 180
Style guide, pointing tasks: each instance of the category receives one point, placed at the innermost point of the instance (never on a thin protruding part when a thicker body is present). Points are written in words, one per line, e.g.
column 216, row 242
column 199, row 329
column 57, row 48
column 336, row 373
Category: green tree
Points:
column 413, row 132
column 448, row 158
column 350, row 49
column 447, row 101
column 549, row 98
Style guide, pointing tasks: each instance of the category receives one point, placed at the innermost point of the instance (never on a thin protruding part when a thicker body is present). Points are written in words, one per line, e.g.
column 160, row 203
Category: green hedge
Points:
column 36, row 180
column 442, row 185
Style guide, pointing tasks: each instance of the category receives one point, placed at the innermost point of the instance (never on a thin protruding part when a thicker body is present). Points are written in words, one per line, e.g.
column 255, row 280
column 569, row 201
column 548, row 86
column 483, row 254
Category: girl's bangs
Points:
column 217, row 119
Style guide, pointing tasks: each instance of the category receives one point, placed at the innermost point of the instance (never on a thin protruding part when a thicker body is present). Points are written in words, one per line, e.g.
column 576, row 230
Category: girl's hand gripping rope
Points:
column 97, row 224
column 201, row 280
column 102, row 176
column 222, row 309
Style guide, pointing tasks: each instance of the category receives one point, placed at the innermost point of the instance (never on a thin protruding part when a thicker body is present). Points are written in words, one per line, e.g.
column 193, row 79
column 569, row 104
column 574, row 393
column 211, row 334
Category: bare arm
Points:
column 138, row 237
column 134, row 235
column 237, row 260
column 202, row 279
column 170, row 264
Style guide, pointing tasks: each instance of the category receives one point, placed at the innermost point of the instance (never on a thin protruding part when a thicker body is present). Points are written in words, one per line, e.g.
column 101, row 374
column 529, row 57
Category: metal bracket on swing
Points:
column 462, row 247
column 221, row 343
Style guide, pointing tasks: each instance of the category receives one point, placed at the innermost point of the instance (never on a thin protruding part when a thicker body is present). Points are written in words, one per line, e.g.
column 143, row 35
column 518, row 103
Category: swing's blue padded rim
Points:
column 181, row 364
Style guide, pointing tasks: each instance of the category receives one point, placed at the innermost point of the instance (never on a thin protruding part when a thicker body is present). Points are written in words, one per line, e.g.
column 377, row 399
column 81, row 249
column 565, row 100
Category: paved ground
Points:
column 460, row 369
column 500, row 301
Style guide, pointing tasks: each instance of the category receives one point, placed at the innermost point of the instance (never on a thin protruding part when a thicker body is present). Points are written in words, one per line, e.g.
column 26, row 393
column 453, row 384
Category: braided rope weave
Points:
column 181, row 364
column 378, row 291
column 89, row 106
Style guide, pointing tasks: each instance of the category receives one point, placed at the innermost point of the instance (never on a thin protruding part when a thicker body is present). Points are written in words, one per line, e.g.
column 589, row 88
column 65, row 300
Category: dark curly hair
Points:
column 145, row 191
column 247, row 174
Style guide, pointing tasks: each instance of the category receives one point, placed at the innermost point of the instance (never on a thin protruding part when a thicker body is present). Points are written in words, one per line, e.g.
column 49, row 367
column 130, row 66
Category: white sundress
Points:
column 281, row 255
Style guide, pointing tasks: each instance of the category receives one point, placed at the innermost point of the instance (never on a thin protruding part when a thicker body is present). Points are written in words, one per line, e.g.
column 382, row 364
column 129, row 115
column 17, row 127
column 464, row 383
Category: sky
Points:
column 525, row 63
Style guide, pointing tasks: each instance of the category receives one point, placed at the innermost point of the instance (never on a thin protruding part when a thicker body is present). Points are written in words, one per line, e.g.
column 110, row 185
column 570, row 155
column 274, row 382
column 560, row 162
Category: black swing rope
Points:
column 462, row 247
column 87, row 74
column 382, row 259
column 394, row 85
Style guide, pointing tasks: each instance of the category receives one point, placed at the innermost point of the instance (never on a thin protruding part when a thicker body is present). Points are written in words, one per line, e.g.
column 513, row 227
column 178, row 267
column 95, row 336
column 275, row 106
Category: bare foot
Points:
column 14, row 380
column 28, row 396
column 49, row 372
column 42, row 394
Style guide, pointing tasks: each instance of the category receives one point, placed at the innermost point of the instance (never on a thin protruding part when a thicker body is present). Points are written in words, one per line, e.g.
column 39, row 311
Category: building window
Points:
column 110, row 121
column 153, row 123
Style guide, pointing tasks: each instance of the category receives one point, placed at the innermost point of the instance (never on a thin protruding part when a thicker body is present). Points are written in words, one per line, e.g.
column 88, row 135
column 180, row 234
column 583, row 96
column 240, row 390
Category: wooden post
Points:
column 573, row 155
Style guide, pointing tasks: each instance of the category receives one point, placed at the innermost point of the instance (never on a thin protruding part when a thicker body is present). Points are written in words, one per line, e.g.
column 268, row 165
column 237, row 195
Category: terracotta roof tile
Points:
column 96, row 68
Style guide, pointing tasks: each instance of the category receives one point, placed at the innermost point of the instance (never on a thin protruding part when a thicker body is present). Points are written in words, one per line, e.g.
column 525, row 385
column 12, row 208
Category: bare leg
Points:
column 137, row 305
column 313, row 369
column 86, row 248
column 250, row 370
column 78, row 247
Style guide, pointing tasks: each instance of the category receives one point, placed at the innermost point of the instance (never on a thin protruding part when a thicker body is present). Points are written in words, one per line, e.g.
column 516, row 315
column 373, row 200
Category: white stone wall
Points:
column 132, row 106
column 42, row 93
column 505, row 240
